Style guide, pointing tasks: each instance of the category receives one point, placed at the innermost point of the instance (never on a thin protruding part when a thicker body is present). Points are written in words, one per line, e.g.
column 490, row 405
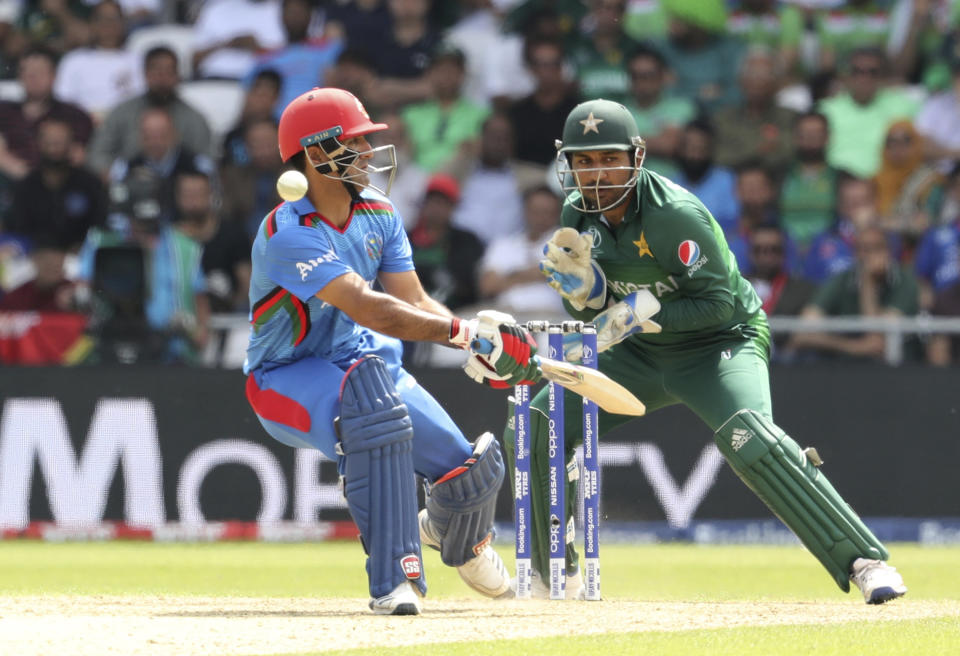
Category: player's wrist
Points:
column 462, row 332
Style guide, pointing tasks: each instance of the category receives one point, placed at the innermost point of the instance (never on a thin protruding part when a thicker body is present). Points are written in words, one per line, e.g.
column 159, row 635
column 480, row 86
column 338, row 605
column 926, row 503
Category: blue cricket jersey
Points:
column 296, row 253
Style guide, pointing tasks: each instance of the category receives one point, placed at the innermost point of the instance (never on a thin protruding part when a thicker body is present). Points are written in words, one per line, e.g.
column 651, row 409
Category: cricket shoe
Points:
column 404, row 600
column 877, row 581
column 573, row 587
column 485, row 573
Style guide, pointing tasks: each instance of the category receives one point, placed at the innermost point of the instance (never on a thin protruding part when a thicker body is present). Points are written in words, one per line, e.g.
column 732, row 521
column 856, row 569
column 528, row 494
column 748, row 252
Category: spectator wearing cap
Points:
column 99, row 77
column 939, row 118
column 447, row 125
column 119, row 136
column 228, row 34
column 860, row 115
column 510, row 273
column 19, row 120
column 446, row 258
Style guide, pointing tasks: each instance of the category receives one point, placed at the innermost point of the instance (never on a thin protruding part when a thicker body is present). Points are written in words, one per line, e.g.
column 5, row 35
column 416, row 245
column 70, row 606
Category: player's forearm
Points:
column 396, row 318
column 695, row 313
column 433, row 306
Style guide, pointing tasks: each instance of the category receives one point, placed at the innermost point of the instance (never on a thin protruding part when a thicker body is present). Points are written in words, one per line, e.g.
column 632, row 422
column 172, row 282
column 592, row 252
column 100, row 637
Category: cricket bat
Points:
column 588, row 383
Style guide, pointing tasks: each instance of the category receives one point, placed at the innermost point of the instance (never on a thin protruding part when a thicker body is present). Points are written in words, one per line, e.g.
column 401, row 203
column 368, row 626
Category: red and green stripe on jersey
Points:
column 278, row 299
column 270, row 225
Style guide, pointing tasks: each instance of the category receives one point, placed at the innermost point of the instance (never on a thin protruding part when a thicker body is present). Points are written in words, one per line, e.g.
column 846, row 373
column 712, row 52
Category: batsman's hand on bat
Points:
column 619, row 321
column 571, row 271
column 510, row 361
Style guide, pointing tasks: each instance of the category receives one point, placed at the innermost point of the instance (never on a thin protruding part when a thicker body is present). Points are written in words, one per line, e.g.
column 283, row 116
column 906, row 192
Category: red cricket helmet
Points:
column 320, row 114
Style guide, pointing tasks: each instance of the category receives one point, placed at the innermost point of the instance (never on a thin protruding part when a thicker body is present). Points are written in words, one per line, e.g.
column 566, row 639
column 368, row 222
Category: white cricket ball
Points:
column 292, row 185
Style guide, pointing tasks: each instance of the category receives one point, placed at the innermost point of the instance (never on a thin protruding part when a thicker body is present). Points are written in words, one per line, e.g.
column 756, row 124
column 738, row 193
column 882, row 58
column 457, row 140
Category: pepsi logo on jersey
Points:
column 688, row 252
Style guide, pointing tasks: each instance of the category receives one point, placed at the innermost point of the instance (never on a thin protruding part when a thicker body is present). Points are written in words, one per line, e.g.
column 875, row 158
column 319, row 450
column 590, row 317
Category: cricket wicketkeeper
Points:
column 677, row 323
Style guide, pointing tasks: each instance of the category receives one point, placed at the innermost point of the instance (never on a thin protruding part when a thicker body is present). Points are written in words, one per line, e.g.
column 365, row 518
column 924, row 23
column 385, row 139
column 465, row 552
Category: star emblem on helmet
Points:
column 590, row 123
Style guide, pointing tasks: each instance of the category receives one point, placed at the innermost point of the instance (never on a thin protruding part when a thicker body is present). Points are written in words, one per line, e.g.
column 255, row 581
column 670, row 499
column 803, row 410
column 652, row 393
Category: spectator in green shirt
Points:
column 756, row 127
column 598, row 56
column 660, row 116
column 448, row 125
column 809, row 190
column 860, row 115
column 875, row 286
column 704, row 58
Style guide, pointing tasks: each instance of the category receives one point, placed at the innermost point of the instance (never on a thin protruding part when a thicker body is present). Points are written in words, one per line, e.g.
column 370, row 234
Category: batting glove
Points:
column 570, row 270
column 502, row 352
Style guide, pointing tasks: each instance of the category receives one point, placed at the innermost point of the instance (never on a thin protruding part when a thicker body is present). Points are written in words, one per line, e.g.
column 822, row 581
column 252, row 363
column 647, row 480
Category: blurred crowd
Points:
column 138, row 147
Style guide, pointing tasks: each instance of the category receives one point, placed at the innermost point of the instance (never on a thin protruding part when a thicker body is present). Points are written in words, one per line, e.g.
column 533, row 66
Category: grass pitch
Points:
column 256, row 598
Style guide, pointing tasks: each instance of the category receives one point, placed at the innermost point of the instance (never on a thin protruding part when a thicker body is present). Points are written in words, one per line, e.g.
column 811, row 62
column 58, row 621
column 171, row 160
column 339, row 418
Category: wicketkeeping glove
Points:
column 629, row 316
column 570, row 270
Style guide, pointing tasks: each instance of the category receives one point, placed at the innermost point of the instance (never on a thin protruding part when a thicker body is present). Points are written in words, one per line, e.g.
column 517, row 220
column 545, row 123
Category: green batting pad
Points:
column 778, row 471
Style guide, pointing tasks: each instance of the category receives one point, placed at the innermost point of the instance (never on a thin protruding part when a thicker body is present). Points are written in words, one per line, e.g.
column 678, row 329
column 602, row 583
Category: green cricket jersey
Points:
column 669, row 244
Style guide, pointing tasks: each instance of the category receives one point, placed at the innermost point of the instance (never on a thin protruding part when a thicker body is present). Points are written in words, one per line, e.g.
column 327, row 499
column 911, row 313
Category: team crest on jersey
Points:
column 594, row 235
column 374, row 245
column 688, row 252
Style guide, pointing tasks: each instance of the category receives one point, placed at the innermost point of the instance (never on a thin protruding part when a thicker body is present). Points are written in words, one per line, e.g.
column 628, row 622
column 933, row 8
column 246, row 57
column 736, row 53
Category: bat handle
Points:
column 481, row 346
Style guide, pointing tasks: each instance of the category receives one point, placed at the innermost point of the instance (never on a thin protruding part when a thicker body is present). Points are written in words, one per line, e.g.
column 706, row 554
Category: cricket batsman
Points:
column 323, row 364
column 676, row 322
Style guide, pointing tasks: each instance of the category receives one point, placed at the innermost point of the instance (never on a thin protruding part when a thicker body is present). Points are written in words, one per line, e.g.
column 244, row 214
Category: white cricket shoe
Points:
column 573, row 588
column 877, row 581
column 485, row 573
column 404, row 600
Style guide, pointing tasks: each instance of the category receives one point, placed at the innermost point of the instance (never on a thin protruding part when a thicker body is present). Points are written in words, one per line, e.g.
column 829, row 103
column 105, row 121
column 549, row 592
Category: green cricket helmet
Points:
column 598, row 125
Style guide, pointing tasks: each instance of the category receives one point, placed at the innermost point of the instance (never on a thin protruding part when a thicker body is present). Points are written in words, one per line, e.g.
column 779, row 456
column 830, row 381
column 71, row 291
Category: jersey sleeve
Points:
column 688, row 245
column 397, row 253
column 302, row 261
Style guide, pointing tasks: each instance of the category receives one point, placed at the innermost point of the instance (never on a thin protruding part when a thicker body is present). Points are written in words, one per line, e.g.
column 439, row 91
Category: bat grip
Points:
column 482, row 346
